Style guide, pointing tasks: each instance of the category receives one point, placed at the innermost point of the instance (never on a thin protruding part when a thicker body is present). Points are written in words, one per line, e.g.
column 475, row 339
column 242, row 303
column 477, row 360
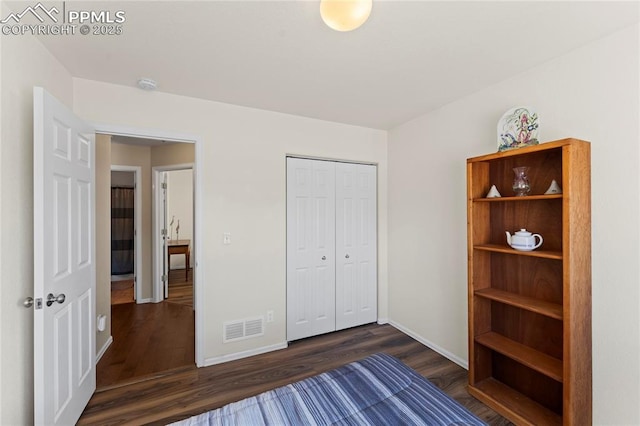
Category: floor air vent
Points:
column 242, row 329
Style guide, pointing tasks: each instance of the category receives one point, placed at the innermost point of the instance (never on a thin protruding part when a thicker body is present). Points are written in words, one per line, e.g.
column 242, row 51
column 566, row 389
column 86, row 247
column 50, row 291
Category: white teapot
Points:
column 523, row 240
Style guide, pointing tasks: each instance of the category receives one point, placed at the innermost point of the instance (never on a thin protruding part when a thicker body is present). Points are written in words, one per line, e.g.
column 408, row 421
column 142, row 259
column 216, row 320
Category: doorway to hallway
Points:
column 173, row 219
column 152, row 335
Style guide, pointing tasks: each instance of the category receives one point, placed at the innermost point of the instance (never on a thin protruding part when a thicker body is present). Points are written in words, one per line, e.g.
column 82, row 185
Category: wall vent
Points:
column 242, row 329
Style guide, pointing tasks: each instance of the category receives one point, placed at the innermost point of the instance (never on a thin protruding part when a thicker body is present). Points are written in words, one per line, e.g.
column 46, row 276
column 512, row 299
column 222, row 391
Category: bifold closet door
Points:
column 356, row 242
column 310, row 247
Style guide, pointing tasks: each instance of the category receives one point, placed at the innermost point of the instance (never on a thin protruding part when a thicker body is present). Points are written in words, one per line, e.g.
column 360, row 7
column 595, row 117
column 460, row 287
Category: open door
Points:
column 64, row 262
column 165, row 238
column 160, row 236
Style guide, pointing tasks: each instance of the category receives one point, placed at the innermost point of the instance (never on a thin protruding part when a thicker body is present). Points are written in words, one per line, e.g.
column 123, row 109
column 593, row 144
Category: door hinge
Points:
column 164, row 278
column 163, row 232
column 164, row 185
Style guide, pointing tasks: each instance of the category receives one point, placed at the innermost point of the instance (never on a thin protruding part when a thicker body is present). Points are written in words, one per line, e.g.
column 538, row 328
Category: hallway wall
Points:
column 135, row 155
column 180, row 207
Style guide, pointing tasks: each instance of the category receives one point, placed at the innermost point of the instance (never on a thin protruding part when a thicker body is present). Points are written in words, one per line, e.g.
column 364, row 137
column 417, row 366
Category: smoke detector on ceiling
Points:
column 147, row 84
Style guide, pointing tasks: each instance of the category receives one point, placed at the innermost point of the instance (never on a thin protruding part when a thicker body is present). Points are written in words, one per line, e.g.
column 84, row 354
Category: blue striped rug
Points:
column 378, row 390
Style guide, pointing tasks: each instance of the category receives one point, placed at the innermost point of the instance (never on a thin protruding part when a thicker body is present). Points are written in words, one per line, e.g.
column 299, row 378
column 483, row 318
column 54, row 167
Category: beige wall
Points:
column 135, row 155
column 103, row 237
column 242, row 156
column 591, row 94
column 180, row 207
column 120, row 178
column 24, row 63
column 177, row 153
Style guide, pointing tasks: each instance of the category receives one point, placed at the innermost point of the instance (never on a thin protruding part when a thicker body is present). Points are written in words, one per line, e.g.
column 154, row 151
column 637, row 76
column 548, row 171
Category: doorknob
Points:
column 29, row 302
column 346, row 256
column 324, row 257
column 51, row 298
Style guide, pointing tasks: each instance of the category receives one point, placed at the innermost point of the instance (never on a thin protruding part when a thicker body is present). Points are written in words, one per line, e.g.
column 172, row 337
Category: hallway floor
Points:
column 150, row 338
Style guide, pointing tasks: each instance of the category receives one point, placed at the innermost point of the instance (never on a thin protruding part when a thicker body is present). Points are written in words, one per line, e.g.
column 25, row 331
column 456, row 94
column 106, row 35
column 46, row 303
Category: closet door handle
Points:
column 346, row 256
column 324, row 257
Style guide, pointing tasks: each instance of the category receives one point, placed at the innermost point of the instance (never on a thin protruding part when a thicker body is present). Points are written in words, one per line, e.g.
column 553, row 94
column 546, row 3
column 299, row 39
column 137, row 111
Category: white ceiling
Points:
column 410, row 58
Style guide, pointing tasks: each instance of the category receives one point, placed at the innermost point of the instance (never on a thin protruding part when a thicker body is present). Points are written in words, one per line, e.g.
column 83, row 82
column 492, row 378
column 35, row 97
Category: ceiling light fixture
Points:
column 147, row 84
column 345, row 15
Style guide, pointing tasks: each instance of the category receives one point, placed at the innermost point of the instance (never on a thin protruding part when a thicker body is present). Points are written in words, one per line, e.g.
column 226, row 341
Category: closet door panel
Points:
column 367, row 244
column 346, row 225
column 356, row 252
column 310, row 248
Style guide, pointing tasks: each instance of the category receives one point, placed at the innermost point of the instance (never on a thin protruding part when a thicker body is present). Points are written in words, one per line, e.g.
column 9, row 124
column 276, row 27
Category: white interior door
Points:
column 160, row 235
column 165, row 234
column 310, row 247
column 64, row 262
column 356, row 253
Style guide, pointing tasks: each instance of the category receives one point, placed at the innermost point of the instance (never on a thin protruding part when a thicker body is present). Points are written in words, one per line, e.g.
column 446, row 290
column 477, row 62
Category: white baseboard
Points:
column 149, row 300
column 461, row 362
column 104, row 348
column 244, row 354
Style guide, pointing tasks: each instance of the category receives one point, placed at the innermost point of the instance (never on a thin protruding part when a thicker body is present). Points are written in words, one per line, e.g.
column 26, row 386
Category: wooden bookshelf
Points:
column 530, row 312
column 506, row 249
column 552, row 310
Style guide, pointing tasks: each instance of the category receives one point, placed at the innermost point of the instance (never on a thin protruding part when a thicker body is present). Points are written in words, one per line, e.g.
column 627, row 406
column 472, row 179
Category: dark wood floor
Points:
column 122, row 291
column 150, row 338
column 181, row 290
column 188, row 391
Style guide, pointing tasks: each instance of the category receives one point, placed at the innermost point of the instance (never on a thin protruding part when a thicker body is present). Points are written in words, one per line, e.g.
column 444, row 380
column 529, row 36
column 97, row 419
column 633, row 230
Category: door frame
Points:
column 169, row 136
column 156, row 206
column 137, row 223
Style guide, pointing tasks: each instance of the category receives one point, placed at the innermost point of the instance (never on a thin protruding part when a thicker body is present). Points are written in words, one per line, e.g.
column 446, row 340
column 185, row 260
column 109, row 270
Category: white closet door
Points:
column 310, row 248
column 356, row 238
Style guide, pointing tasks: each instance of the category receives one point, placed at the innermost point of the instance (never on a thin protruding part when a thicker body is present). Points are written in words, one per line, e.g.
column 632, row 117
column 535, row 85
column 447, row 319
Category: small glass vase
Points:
column 521, row 181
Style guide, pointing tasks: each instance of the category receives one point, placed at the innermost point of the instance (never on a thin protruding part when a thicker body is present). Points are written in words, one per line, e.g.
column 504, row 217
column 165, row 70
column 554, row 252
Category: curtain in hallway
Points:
column 122, row 229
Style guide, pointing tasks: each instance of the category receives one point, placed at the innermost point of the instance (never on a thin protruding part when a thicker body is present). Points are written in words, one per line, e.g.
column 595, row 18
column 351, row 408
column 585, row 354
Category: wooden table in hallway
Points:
column 179, row 247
